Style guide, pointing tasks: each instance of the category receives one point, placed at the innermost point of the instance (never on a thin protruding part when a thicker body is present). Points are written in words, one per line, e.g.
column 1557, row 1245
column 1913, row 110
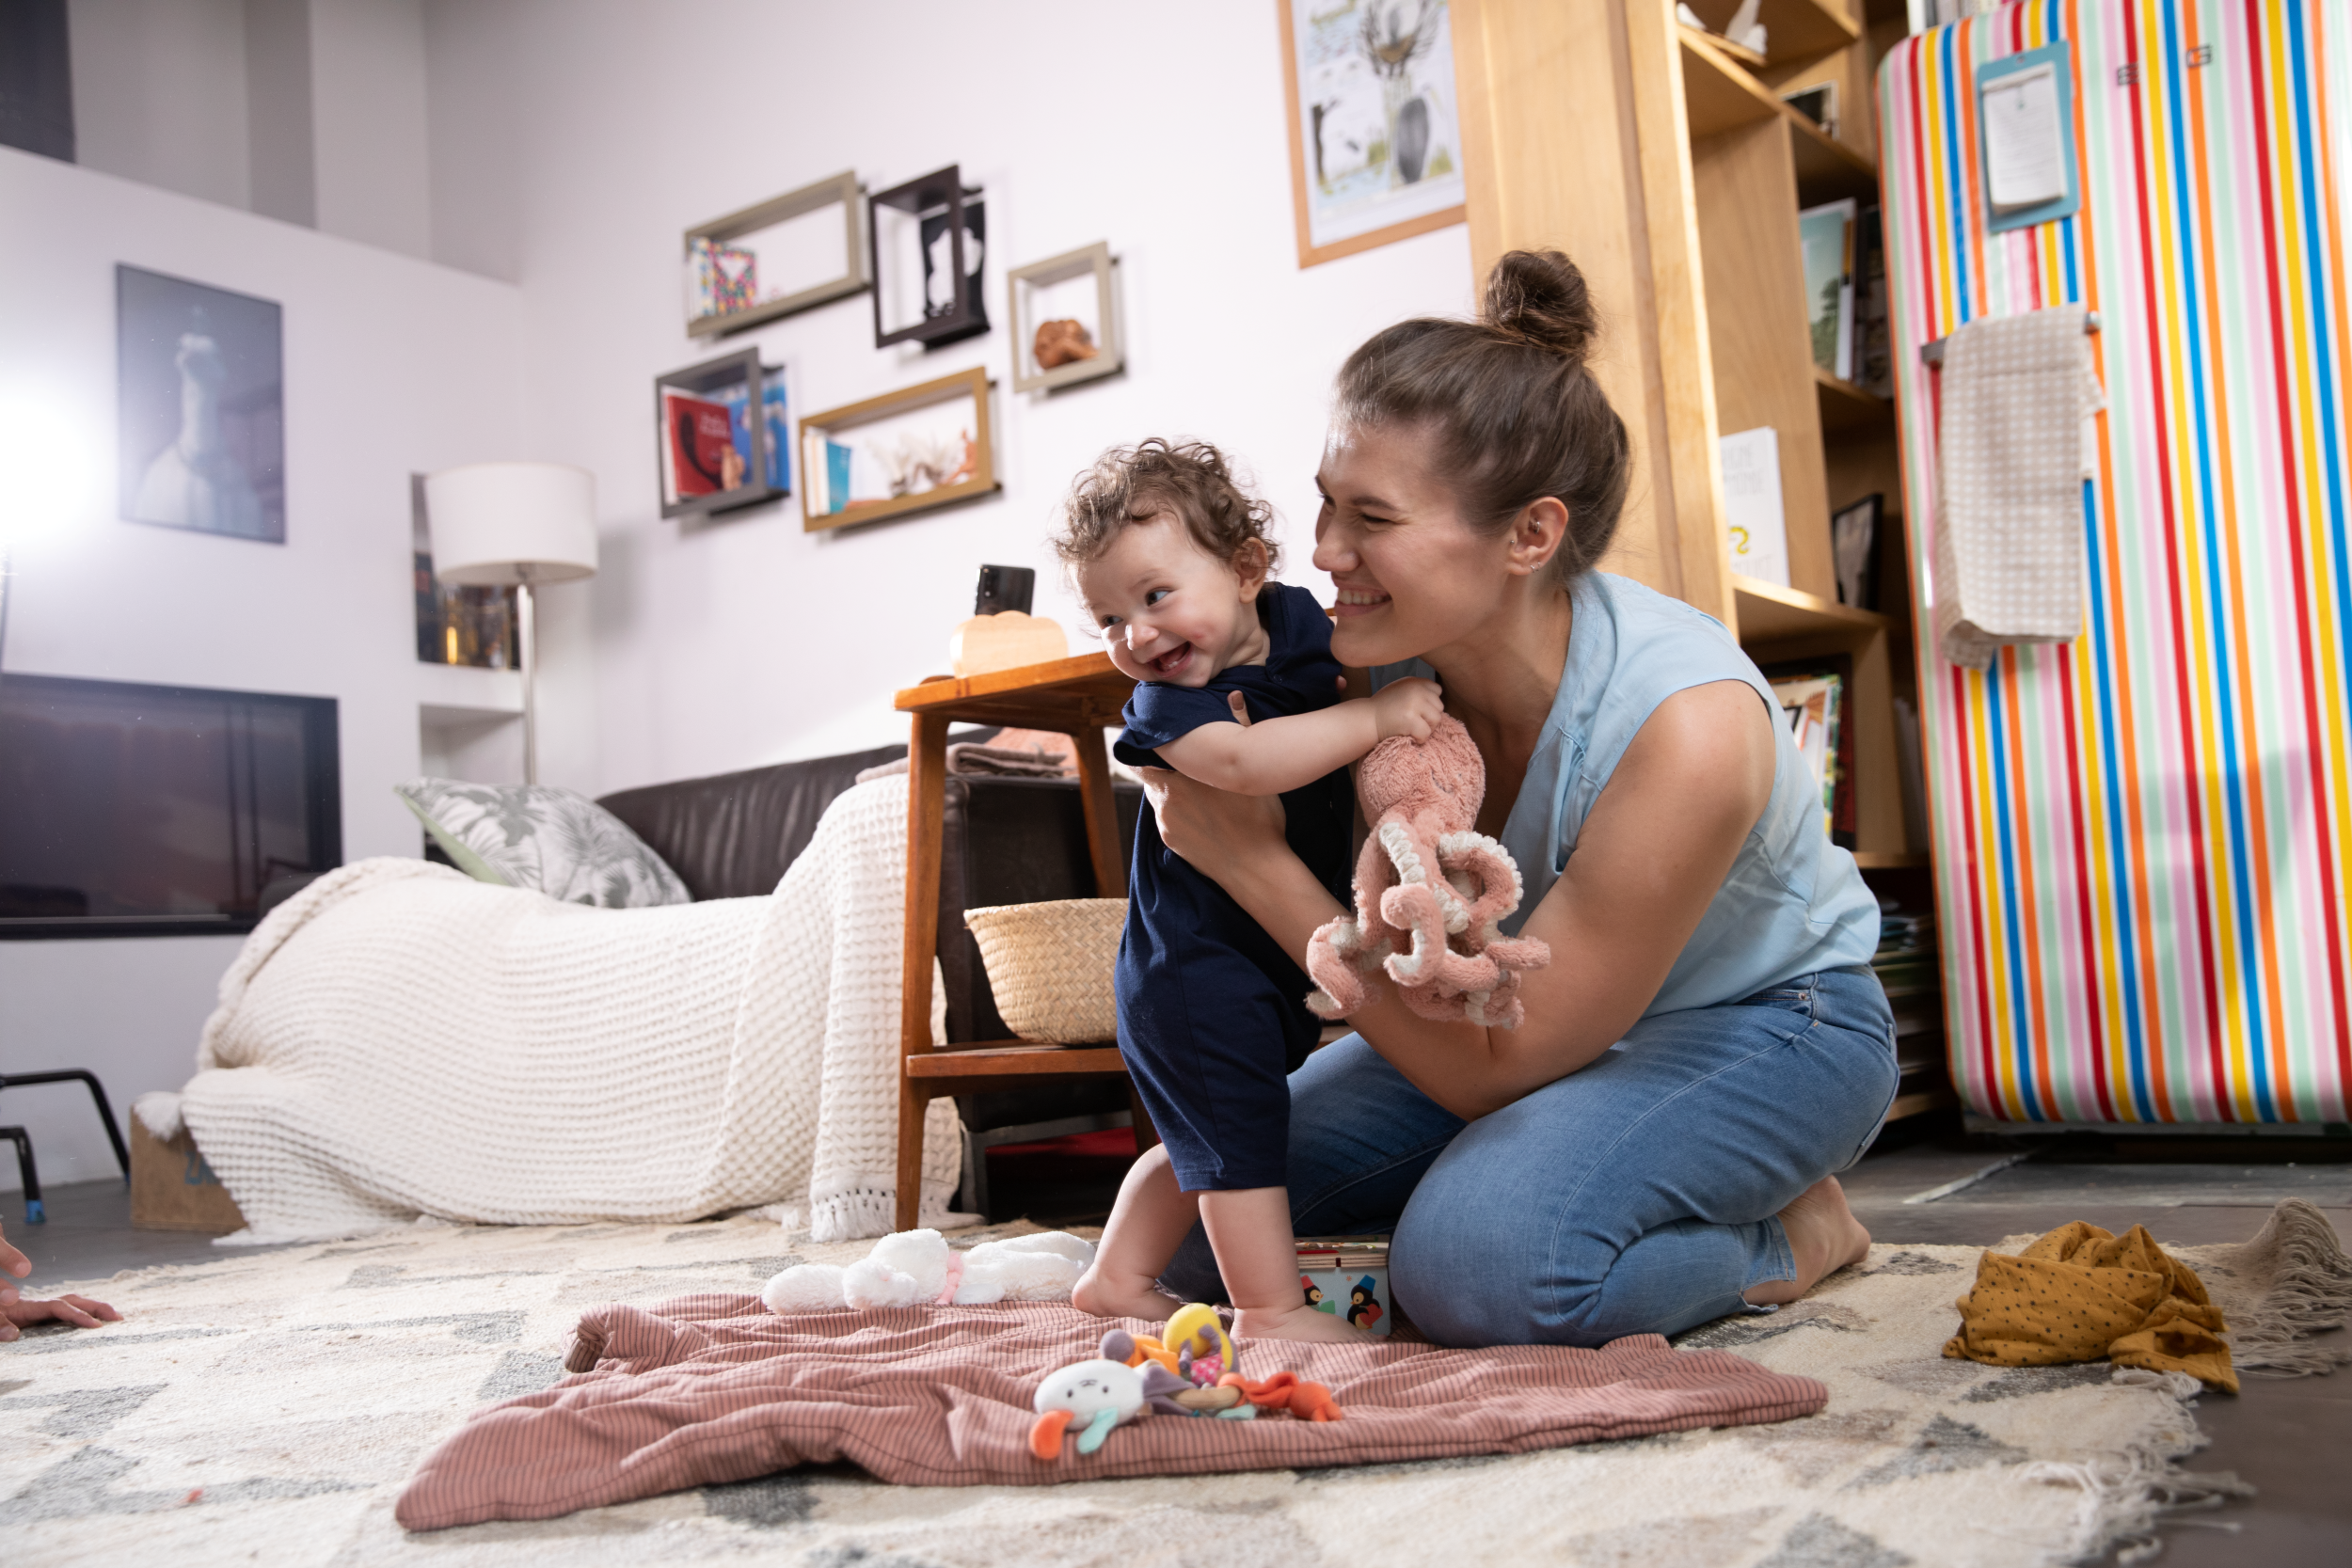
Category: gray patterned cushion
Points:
column 552, row 841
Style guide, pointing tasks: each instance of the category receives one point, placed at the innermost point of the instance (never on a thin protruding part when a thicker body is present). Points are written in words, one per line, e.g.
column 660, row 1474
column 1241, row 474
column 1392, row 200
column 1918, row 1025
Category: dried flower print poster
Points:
column 1375, row 149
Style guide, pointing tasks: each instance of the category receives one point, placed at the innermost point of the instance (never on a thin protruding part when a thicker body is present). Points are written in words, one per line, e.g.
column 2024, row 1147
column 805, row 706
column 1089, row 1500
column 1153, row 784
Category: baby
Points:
column 1174, row 560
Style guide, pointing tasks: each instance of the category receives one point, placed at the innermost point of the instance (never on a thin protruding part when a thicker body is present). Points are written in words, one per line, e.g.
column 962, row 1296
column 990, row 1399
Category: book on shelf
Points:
column 698, row 451
column 1854, row 543
column 1812, row 694
column 737, row 397
column 1753, row 514
column 1827, row 235
column 1874, row 351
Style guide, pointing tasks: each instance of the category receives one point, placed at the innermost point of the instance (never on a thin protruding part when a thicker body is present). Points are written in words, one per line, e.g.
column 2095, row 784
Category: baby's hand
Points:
column 1409, row 707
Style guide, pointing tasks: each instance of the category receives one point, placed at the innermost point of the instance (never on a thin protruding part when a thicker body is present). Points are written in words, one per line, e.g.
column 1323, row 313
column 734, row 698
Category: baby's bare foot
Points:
column 1296, row 1323
column 1114, row 1298
column 1823, row 1237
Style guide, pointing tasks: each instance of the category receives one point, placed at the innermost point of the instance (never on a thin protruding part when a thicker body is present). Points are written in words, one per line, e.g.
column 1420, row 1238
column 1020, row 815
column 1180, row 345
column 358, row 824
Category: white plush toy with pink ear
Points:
column 916, row 1268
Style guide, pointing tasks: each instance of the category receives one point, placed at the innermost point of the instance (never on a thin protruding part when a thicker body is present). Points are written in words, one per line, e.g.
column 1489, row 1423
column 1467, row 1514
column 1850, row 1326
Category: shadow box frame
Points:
column 1110, row 345
column 942, row 187
column 972, row 384
column 841, row 190
column 739, row 368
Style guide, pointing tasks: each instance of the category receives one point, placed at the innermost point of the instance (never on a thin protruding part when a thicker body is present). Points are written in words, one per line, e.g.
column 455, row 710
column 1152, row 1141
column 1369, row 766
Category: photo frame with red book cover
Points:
column 723, row 436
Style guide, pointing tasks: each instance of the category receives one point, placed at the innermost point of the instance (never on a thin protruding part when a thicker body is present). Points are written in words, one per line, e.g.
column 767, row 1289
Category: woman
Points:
column 1653, row 1148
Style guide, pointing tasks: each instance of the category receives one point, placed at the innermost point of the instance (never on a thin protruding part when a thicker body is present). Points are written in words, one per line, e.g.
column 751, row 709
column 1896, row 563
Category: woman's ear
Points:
column 1537, row 534
column 1249, row 566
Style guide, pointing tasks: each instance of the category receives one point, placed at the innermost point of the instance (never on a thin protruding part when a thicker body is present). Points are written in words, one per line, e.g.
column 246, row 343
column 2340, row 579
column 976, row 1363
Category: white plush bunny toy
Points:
column 917, row 1267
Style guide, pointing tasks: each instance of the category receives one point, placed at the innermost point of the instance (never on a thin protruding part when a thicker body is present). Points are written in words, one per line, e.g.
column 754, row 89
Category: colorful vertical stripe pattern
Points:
column 2144, row 838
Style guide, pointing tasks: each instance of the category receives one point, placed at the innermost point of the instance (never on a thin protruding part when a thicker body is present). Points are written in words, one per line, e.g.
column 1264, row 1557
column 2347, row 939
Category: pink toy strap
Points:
column 955, row 1277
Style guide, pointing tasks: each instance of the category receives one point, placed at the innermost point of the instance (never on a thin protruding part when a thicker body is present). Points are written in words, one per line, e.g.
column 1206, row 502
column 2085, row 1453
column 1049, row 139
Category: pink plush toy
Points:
column 1429, row 893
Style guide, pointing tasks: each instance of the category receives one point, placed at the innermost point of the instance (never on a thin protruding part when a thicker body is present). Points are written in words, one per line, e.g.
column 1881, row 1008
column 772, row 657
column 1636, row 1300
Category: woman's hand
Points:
column 80, row 1311
column 17, row 1314
column 1216, row 833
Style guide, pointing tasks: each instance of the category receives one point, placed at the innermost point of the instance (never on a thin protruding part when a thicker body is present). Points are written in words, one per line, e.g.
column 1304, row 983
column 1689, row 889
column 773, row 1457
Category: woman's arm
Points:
column 1656, row 846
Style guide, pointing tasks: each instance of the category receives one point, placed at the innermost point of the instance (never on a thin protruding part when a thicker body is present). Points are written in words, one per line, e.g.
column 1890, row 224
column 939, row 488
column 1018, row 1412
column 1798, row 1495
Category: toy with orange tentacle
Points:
column 1430, row 892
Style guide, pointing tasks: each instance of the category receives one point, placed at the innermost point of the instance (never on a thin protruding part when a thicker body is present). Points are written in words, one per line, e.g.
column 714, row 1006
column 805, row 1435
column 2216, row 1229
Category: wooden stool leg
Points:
column 1102, row 814
column 926, row 806
column 914, row 1100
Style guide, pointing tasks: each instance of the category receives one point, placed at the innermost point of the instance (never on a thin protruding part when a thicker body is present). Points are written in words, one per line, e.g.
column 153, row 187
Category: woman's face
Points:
column 1413, row 577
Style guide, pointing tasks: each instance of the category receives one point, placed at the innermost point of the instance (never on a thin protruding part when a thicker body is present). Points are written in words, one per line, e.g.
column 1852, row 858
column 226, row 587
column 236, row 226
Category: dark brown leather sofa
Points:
column 1008, row 841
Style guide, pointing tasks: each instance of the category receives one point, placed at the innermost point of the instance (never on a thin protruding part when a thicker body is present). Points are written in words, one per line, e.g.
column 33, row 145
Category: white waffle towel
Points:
column 2009, row 529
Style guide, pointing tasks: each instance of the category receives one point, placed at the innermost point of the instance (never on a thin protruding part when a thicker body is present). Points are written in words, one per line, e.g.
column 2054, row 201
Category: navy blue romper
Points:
column 1212, row 1013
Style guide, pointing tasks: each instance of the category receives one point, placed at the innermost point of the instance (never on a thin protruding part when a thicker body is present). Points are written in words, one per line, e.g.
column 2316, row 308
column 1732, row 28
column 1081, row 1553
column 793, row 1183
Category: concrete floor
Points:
column 2288, row 1436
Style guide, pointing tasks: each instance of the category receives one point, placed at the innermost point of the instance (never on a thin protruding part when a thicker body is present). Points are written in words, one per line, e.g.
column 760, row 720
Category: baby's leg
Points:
column 1148, row 1224
column 1250, row 1230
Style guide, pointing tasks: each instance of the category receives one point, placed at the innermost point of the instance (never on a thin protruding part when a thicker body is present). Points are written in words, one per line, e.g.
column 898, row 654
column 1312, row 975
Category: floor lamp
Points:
column 513, row 525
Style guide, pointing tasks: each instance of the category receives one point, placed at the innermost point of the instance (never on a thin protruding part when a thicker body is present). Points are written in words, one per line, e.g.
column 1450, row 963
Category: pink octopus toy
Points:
column 1430, row 892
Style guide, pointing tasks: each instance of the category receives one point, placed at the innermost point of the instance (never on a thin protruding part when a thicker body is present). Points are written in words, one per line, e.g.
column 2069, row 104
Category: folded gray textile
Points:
column 1001, row 762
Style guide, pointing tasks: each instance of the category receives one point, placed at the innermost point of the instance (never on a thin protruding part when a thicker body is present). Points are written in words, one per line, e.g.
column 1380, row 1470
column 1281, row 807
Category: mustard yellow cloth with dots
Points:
column 2081, row 1293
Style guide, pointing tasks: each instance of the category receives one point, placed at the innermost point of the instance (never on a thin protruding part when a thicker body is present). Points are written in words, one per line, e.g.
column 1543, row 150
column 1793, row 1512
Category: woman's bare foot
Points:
column 1296, row 1323
column 1823, row 1236
column 1108, row 1297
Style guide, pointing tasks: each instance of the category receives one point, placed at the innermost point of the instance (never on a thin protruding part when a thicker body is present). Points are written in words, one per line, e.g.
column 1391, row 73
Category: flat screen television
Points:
column 130, row 809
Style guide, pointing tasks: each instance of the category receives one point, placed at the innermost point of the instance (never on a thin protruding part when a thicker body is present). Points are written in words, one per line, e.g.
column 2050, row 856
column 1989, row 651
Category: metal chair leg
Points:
column 97, row 1092
column 34, row 1213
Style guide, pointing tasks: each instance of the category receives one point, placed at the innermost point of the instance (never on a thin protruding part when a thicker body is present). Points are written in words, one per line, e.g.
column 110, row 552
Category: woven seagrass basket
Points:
column 1050, row 966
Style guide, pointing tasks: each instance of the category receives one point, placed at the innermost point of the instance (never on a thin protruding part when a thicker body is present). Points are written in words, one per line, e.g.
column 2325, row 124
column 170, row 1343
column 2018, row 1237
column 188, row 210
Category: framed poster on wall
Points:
column 1375, row 145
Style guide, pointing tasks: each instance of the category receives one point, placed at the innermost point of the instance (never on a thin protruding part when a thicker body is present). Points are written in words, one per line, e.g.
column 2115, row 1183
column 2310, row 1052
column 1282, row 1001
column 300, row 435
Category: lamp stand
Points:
column 527, row 641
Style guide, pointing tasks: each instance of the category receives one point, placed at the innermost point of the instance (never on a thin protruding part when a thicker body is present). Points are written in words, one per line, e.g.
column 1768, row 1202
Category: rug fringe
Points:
column 2125, row 1499
column 2311, row 1291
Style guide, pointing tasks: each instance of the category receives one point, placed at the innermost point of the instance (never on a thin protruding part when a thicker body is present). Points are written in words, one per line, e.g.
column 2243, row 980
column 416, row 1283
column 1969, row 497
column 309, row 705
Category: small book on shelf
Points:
column 1813, row 695
column 699, row 455
column 1827, row 235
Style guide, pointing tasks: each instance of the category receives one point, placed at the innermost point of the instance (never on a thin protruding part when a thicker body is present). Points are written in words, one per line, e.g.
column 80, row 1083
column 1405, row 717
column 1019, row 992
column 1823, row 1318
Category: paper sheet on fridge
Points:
column 2024, row 141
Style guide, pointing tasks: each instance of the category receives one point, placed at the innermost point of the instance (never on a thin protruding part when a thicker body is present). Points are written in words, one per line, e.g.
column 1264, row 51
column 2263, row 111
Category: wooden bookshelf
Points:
column 1680, row 204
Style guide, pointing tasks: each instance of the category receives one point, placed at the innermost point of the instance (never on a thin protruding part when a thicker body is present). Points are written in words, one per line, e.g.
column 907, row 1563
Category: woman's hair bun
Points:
column 1540, row 295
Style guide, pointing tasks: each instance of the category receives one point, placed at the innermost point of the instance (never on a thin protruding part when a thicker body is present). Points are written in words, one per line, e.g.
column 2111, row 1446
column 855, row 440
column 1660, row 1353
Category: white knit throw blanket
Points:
column 397, row 1041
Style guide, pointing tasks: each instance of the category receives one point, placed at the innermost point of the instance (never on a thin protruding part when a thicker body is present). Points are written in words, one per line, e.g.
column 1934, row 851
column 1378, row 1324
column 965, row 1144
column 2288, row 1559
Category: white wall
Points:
column 610, row 126
column 368, row 122
column 159, row 93
column 393, row 365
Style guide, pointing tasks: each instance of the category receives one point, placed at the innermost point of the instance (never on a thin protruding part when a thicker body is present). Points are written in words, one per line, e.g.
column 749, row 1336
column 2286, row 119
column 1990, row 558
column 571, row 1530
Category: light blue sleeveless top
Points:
column 1793, row 902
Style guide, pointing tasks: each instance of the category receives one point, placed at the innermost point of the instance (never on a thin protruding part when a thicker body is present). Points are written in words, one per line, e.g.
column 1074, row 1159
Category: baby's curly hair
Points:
column 1133, row 485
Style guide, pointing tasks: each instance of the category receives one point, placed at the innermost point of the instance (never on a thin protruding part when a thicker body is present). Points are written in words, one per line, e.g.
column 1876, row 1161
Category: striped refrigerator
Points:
column 2143, row 838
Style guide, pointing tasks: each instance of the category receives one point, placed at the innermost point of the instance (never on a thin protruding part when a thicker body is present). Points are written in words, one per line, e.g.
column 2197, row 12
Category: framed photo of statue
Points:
column 200, row 423
column 1374, row 123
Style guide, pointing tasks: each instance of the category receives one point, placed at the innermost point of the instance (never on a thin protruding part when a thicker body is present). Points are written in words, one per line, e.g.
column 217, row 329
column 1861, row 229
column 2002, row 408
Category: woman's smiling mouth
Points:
column 1359, row 601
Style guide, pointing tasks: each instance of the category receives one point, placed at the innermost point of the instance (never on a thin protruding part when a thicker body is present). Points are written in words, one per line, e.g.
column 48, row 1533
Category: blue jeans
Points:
column 1637, row 1196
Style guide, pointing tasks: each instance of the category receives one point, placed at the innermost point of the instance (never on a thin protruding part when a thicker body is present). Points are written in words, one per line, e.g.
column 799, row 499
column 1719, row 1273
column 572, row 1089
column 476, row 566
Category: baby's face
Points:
column 1169, row 611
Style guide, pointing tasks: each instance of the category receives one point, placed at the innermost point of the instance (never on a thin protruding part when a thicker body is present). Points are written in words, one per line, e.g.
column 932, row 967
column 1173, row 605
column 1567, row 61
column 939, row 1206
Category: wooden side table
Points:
column 1076, row 697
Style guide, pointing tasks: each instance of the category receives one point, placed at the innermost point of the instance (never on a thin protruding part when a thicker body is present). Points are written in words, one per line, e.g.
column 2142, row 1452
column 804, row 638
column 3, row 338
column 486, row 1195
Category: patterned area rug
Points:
column 268, row 1408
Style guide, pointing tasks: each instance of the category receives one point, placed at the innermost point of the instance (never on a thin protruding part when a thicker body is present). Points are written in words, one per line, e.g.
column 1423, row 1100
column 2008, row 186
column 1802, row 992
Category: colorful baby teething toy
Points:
column 1190, row 1369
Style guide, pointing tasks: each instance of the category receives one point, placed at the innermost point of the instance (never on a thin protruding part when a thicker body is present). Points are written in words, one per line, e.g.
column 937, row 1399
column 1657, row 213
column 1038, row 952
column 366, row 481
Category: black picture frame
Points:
column 739, row 383
column 945, row 207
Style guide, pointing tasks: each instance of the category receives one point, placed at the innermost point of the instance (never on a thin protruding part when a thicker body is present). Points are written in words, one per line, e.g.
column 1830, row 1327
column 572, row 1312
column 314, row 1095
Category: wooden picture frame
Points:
column 1331, row 222
column 687, row 405
column 961, row 213
column 829, row 467
column 841, row 190
column 1022, row 287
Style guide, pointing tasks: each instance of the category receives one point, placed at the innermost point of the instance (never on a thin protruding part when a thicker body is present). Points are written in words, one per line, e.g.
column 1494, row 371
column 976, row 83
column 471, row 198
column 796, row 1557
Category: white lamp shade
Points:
column 499, row 524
